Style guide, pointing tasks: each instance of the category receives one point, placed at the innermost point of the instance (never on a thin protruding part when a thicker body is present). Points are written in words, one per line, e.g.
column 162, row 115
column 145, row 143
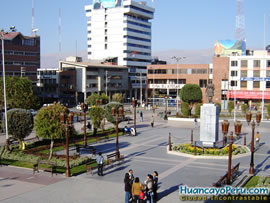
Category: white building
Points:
column 249, row 77
column 120, row 31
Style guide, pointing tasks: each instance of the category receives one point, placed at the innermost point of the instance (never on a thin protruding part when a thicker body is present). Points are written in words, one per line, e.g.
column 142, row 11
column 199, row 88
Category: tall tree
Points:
column 91, row 100
column 19, row 93
column 47, row 123
column 191, row 93
column 20, row 124
column 97, row 114
column 108, row 112
column 117, row 97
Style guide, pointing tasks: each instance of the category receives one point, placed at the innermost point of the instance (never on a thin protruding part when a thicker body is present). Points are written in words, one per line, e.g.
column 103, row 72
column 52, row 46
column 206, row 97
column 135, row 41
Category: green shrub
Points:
column 219, row 107
column 230, row 106
column 185, row 109
column 268, row 110
column 244, row 108
column 198, row 109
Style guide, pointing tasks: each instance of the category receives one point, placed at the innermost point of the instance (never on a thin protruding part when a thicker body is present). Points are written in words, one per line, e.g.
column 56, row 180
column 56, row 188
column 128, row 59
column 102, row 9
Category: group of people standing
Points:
column 138, row 192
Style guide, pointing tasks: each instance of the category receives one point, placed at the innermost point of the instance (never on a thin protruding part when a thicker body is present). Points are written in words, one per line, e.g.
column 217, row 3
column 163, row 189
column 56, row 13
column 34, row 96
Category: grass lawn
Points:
column 74, row 171
column 252, row 182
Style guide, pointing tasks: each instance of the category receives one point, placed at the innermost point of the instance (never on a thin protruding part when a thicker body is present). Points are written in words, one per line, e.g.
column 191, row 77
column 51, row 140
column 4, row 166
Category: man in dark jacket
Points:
column 100, row 162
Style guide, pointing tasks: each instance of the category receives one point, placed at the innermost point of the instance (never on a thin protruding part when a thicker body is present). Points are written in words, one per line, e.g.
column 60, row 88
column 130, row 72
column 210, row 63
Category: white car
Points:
column 78, row 107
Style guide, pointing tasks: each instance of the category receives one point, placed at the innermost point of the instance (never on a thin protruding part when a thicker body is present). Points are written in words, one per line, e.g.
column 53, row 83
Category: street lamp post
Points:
column 177, row 85
column 2, row 36
column 251, row 168
column 258, row 120
column 84, row 108
column 229, row 174
column 134, row 104
column 67, row 122
column 225, row 129
column 117, row 113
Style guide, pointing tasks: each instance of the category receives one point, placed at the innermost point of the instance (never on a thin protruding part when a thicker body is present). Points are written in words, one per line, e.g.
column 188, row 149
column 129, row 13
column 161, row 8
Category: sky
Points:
column 179, row 26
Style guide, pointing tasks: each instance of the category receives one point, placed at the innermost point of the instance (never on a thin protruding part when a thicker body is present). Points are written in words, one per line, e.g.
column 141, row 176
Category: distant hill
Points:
column 201, row 56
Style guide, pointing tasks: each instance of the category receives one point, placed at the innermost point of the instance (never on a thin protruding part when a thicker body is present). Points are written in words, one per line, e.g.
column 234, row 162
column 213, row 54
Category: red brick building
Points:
column 22, row 55
column 163, row 80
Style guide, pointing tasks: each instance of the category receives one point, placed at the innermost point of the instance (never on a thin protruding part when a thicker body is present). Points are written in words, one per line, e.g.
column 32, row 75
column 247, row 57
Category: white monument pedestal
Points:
column 209, row 125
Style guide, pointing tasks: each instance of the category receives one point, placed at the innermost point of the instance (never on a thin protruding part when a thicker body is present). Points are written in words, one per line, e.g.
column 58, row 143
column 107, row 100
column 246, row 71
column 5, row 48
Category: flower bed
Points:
column 188, row 149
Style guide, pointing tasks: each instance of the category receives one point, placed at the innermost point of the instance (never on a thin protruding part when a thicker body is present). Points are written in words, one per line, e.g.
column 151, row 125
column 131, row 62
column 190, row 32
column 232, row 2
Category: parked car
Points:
column 78, row 107
column 33, row 112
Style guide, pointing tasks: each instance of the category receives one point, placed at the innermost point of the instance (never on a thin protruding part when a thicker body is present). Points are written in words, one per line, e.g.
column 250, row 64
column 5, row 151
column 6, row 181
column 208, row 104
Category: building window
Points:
column 233, row 83
column 256, row 73
column 234, row 63
column 203, row 83
column 243, row 73
column 268, row 73
column 267, row 84
column 233, row 73
column 256, row 84
column 244, row 63
column 243, row 83
column 257, row 63
column 268, row 63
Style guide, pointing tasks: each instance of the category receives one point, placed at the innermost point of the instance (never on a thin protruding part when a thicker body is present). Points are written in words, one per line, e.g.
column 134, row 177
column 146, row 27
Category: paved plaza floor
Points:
column 144, row 154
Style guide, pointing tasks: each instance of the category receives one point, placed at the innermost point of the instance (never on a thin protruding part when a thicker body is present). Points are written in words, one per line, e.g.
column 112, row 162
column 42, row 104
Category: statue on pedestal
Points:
column 210, row 91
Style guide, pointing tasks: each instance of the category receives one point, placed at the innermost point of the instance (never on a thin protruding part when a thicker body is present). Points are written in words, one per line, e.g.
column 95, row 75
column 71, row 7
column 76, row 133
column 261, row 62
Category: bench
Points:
column 88, row 148
column 235, row 171
column 89, row 168
column 223, row 180
column 46, row 166
column 114, row 157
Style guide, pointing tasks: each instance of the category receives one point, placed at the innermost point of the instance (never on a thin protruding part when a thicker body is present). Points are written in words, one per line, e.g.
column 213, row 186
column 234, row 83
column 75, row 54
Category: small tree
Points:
column 20, row 124
column 244, row 108
column 185, row 109
column 47, row 124
column 91, row 100
column 191, row 93
column 108, row 112
column 219, row 107
column 230, row 106
column 117, row 97
column 104, row 98
column 19, row 93
column 198, row 109
column 268, row 109
column 97, row 114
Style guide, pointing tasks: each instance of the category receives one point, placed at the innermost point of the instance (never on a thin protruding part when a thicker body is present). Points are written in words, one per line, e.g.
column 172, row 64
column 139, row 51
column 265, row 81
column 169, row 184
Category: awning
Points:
column 247, row 94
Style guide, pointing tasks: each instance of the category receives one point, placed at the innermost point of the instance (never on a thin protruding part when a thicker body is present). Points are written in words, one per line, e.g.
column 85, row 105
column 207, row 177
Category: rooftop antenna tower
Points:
column 59, row 32
column 240, row 27
column 34, row 30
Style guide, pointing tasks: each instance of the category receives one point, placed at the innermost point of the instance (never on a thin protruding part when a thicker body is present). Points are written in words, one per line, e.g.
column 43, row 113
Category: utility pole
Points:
column 177, row 85
column 141, row 87
column 106, row 89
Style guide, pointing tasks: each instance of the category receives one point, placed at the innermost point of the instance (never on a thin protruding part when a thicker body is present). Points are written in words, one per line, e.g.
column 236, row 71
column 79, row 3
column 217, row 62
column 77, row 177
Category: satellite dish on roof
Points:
column 34, row 31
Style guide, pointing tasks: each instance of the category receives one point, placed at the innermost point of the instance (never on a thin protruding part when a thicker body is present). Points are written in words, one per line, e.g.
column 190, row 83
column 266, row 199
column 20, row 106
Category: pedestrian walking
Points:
column 152, row 121
column 100, row 162
column 131, row 179
column 195, row 123
column 141, row 116
column 127, row 187
column 137, row 189
column 257, row 138
column 149, row 188
column 155, row 185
